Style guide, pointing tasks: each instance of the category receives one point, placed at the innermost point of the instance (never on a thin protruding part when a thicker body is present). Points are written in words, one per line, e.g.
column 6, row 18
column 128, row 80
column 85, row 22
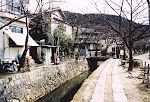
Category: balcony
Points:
column 12, row 8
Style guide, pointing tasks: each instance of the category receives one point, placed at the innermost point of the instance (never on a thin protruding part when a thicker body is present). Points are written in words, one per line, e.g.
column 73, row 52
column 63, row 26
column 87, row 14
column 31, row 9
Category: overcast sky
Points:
column 88, row 6
column 79, row 6
column 83, row 6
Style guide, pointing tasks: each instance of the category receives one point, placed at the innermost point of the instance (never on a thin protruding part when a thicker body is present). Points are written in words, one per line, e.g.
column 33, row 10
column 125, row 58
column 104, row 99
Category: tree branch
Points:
column 15, row 19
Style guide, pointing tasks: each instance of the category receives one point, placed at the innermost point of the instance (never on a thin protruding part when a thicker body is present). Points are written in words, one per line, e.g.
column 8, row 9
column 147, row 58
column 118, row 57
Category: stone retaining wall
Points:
column 29, row 86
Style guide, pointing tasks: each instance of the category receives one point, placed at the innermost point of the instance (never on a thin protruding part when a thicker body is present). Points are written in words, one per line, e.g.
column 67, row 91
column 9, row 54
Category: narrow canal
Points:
column 65, row 92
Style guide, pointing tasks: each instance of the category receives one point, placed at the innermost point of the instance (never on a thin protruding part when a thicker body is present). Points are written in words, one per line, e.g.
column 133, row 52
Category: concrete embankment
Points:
column 29, row 86
column 86, row 91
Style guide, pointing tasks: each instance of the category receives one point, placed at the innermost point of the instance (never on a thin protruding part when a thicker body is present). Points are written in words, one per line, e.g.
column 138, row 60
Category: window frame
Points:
column 13, row 6
column 17, row 29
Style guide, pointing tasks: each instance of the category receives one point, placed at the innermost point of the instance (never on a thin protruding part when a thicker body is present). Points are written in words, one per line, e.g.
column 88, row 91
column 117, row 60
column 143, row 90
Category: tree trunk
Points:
column 76, row 34
column 22, row 60
column 23, row 57
column 96, row 49
column 124, row 53
column 130, row 60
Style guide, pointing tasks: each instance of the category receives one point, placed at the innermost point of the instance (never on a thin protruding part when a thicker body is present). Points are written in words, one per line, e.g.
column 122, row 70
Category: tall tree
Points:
column 129, row 12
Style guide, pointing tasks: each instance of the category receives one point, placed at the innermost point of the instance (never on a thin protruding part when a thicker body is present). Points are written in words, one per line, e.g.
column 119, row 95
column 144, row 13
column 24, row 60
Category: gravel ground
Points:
column 132, row 84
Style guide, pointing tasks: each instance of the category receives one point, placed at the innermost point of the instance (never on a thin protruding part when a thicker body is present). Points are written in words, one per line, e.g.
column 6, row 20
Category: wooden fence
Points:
column 146, row 75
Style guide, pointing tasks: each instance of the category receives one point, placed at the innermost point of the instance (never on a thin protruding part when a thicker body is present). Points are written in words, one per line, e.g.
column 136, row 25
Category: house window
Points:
column 91, row 46
column 13, row 29
column 17, row 29
column 13, row 6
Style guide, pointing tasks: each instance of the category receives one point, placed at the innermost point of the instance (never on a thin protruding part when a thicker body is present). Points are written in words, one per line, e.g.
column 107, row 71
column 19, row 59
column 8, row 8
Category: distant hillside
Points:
column 90, row 20
column 98, row 21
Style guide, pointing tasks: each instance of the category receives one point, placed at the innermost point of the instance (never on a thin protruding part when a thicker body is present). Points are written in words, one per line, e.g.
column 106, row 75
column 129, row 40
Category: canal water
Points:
column 65, row 92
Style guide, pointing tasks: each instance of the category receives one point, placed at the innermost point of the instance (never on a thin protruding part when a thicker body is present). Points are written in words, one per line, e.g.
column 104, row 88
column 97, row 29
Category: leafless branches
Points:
column 23, row 9
column 128, row 12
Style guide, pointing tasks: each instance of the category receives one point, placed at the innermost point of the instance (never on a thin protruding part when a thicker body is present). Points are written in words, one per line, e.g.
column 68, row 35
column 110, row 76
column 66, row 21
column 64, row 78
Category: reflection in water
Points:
column 65, row 92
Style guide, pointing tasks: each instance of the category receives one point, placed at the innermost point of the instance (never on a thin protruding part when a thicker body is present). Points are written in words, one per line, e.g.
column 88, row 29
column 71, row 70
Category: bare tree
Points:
column 21, row 8
column 24, row 13
column 125, row 26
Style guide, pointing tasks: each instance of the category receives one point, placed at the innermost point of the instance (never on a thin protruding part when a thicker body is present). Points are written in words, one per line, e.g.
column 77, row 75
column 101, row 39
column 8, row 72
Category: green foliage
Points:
column 145, row 99
column 126, row 56
column 137, row 63
column 49, row 38
column 76, row 34
column 66, row 47
column 60, row 32
column 37, row 30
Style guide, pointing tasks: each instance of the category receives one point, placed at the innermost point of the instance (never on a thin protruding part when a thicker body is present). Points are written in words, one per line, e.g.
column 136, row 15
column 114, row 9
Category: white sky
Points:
column 80, row 6
column 83, row 6
column 87, row 6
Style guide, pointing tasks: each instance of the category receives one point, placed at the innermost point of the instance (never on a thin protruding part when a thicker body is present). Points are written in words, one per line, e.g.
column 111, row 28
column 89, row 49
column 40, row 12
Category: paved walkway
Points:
column 115, row 89
column 118, row 91
column 108, row 83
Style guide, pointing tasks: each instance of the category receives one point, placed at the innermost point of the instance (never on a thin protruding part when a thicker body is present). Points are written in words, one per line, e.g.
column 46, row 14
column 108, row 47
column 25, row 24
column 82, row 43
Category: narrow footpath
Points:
column 103, row 85
column 105, row 91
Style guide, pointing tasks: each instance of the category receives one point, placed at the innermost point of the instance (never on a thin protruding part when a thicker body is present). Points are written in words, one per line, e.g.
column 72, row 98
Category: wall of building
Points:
column 47, row 54
column 1, row 42
column 29, row 86
column 2, row 5
column 103, row 44
column 1, row 46
column 5, row 50
column 68, row 30
column 11, row 52
column 54, row 25
column 109, row 50
column 4, row 11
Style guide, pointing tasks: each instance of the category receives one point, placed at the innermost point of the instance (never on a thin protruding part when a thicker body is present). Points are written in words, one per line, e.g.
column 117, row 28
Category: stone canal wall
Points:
column 29, row 86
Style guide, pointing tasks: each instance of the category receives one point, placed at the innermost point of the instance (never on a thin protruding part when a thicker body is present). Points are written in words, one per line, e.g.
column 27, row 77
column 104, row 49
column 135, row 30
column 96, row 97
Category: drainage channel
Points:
column 65, row 92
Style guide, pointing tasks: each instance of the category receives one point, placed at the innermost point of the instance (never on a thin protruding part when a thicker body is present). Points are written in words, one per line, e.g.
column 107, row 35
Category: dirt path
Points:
column 133, row 87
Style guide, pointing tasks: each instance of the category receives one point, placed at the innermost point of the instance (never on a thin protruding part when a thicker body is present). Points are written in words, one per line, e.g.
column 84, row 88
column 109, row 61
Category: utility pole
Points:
column 148, row 1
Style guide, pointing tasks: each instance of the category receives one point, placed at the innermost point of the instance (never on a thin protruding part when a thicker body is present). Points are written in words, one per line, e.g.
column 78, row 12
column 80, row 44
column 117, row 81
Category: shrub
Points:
column 137, row 63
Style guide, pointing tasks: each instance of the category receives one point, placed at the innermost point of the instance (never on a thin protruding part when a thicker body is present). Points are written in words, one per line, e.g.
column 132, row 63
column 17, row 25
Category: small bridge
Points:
column 92, row 61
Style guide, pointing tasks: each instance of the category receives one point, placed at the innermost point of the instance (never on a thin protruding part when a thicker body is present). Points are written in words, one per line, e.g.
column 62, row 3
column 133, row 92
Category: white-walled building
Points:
column 12, row 36
column 50, row 22
column 58, row 17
